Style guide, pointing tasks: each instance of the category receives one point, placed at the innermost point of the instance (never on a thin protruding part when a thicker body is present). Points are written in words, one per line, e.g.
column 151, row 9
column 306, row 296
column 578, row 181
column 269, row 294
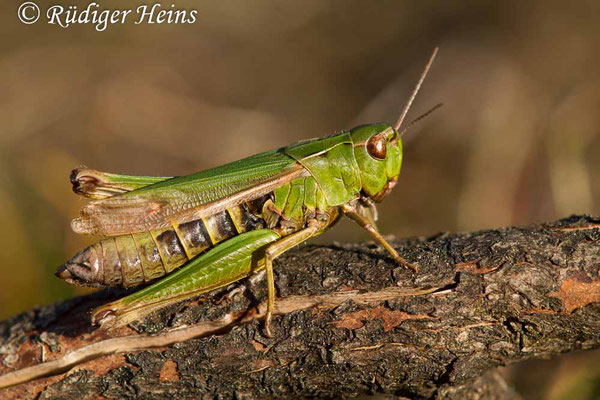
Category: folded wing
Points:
column 100, row 185
column 186, row 198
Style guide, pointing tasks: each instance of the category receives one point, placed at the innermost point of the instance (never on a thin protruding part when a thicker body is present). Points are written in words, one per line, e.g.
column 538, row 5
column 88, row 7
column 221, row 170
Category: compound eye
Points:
column 377, row 146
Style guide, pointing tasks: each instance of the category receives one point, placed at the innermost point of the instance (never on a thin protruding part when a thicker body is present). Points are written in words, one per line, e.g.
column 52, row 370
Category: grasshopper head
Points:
column 378, row 152
column 378, row 149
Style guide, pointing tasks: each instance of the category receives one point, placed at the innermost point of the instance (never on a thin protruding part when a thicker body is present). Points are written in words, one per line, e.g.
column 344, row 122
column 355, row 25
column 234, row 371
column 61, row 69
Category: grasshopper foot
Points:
column 240, row 288
column 268, row 318
column 402, row 262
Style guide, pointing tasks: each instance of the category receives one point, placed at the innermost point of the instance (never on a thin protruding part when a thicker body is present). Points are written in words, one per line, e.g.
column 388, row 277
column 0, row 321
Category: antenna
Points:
column 420, row 117
column 416, row 90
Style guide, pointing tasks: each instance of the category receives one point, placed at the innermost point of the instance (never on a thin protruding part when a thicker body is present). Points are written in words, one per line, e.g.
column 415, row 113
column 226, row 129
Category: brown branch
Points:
column 349, row 322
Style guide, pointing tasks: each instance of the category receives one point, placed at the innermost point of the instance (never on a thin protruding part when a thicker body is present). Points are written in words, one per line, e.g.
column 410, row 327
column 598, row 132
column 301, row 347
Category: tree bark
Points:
column 349, row 322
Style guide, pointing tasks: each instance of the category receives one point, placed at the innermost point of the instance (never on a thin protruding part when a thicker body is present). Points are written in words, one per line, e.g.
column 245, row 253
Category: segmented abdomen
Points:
column 133, row 259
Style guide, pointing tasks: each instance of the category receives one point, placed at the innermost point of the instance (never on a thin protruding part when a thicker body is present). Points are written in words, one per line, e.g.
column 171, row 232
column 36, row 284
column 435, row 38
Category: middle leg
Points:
column 274, row 250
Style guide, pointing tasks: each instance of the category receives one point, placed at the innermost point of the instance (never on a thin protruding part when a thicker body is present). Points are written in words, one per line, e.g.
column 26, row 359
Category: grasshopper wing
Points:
column 187, row 198
column 100, row 185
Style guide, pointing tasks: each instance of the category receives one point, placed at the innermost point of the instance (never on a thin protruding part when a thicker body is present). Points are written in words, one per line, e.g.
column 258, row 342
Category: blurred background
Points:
column 517, row 141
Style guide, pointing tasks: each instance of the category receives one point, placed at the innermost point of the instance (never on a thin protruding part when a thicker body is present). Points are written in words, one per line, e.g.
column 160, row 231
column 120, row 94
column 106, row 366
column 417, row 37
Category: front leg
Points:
column 369, row 226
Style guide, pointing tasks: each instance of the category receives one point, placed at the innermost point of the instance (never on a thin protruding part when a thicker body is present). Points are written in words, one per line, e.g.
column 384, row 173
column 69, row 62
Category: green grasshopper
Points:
column 226, row 223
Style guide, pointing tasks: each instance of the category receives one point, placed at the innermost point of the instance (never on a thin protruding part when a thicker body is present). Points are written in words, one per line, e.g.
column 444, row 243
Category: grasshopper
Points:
column 212, row 228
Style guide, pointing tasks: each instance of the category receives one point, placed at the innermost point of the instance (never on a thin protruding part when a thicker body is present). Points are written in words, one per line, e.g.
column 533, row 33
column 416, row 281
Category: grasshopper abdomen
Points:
column 137, row 258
